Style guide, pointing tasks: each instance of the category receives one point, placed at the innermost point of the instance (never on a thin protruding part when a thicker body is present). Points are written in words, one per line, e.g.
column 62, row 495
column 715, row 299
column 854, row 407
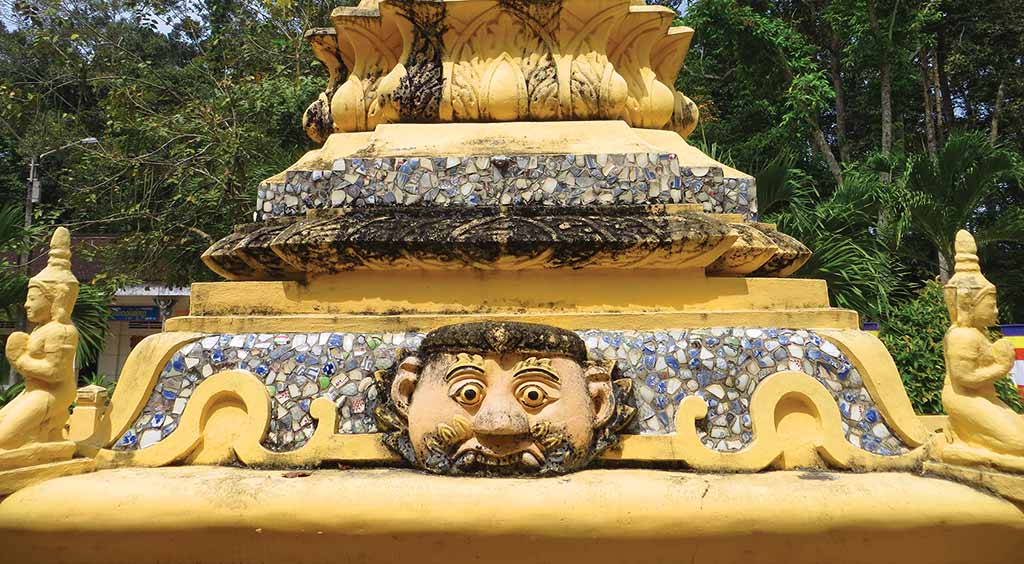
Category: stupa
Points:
column 507, row 313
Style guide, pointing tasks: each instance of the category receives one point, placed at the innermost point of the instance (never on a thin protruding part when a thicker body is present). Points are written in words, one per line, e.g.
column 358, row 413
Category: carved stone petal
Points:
column 792, row 256
column 752, row 250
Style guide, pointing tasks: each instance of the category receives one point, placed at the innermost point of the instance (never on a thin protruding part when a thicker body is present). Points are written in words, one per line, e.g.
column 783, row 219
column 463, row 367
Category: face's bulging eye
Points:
column 468, row 392
column 532, row 396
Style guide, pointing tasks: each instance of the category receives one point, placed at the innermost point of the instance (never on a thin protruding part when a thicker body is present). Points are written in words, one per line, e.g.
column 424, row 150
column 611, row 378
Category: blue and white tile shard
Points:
column 537, row 180
column 724, row 366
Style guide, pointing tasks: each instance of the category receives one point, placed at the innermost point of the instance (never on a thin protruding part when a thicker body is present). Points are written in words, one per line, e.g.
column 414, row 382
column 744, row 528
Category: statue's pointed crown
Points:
column 967, row 283
column 58, row 265
column 967, row 272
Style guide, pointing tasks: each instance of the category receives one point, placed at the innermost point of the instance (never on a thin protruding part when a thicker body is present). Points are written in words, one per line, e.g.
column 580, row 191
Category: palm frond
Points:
column 780, row 185
column 92, row 310
column 841, row 231
column 13, row 236
column 945, row 195
column 1009, row 227
column 11, row 392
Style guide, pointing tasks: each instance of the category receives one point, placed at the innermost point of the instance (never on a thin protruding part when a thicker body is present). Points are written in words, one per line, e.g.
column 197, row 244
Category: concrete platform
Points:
column 206, row 514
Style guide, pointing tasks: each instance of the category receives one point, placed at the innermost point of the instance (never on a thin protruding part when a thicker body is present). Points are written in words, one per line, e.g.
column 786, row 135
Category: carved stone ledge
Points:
column 485, row 238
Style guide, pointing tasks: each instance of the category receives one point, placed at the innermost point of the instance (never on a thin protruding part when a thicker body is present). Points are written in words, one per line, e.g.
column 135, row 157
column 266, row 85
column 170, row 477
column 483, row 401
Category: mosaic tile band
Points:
column 554, row 180
column 724, row 366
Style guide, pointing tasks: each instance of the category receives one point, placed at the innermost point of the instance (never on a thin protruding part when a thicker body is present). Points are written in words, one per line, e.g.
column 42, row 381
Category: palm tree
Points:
column 92, row 310
column 949, row 193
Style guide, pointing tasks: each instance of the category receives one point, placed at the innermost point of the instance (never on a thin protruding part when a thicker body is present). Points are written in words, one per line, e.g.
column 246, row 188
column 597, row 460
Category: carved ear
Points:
column 404, row 384
column 599, row 385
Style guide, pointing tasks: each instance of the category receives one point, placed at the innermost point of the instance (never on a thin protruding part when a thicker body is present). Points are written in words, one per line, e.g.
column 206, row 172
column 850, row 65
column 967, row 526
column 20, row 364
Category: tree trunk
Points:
column 945, row 270
column 821, row 144
column 940, row 121
column 885, row 78
column 929, row 120
column 818, row 136
column 835, row 53
column 997, row 113
column 886, row 108
column 940, row 68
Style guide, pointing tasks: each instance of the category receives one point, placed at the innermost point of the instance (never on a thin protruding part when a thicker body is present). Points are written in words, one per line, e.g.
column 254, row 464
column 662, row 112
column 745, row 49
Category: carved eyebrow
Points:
column 543, row 371
column 465, row 361
column 461, row 367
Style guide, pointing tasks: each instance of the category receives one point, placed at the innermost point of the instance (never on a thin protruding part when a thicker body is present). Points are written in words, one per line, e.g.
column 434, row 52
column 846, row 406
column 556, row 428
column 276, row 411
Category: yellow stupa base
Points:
column 214, row 515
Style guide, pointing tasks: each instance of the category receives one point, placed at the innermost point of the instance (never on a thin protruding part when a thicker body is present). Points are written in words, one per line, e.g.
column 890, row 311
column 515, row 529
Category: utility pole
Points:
column 34, row 193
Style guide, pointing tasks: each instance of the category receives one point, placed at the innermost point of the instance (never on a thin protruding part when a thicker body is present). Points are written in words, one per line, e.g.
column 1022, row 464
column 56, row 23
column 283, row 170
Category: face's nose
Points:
column 500, row 416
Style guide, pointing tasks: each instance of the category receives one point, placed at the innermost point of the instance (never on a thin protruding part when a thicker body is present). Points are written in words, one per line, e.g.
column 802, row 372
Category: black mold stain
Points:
column 562, row 237
column 419, row 92
column 319, row 119
column 542, row 18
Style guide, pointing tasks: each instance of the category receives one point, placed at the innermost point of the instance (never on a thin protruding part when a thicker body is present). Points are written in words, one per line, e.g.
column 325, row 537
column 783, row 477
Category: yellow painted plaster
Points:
column 213, row 515
column 882, row 381
column 796, row 423
column 228, row 416
column 476, row 291
column 517, row 138
column 811, row 318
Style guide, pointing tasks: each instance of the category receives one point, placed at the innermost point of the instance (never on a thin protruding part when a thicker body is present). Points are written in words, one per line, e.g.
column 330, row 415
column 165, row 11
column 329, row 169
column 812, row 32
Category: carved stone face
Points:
column 37, row 307
column 508, row 413
column 523, row 400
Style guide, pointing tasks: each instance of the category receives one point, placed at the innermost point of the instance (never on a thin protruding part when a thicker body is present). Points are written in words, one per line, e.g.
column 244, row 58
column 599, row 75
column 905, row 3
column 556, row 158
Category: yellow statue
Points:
column 982, row 430
column 32, row 425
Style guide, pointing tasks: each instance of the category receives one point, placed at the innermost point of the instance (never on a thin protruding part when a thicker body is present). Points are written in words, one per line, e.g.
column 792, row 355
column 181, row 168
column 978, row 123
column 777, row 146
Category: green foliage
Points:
column 913, row 334
column 90, row 316
column 101, row 380
column 190, row 118
column 947, row 194
column 754, row 76
column 861, row 271
column 12, row 391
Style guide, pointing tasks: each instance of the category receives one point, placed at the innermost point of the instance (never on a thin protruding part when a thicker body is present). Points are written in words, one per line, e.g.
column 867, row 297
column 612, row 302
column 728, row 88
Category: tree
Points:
column 191, row 118
column 950, row 192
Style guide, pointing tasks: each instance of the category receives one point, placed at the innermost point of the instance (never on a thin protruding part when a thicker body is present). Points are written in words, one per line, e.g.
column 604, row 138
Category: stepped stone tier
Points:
column 505, row 261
